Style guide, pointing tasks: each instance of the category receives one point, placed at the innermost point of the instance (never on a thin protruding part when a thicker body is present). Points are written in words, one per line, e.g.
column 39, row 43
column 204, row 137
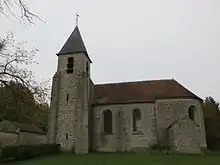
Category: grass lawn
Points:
column 125, row 159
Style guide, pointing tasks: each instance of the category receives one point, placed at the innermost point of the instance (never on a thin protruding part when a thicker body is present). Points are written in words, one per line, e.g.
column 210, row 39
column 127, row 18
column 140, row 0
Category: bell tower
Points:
column 68, row 120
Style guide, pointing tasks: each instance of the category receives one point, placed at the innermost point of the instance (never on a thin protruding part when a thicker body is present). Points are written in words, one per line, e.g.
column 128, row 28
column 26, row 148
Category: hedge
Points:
column 23, row 152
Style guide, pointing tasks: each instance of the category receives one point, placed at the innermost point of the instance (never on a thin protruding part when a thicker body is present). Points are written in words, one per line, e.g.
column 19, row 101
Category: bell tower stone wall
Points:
column 70, row 112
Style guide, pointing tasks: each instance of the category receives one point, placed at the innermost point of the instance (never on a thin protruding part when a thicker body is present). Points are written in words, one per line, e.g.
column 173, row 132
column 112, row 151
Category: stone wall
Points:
column 184, row 137
column 123, row 138
column 53, row 113
column 90, row 116
column 24, row 138
column 155, row 119
column 167, row 111
column 75, row 123
column 8, row 139
column 72, row 104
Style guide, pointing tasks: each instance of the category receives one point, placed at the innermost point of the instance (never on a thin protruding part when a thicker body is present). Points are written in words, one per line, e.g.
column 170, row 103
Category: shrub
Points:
column 28, row 151
column 160, row 147
column 1, row 159
column 9, row 152
column 155, row 147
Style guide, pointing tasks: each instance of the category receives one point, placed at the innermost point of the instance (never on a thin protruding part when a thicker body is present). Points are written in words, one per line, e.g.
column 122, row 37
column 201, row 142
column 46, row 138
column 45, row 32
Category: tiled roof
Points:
column 74, row 44
column 140, row 91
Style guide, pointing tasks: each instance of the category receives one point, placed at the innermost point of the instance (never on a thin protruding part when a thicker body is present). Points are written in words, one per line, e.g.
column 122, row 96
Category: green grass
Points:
column 125, row 159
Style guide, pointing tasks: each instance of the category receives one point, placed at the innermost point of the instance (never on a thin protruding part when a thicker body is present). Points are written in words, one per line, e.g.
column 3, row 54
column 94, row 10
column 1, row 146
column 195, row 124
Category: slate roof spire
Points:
column 74, row 44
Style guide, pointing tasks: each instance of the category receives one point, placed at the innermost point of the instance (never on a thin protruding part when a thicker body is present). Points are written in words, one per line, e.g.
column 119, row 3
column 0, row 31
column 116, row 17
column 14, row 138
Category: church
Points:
column 119, row 117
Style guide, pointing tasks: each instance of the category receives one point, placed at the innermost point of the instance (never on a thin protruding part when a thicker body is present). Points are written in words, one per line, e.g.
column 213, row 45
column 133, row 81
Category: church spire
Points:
column 74, row 44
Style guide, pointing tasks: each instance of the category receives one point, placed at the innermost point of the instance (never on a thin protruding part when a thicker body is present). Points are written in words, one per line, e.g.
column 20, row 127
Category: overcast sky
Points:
column 131, row 40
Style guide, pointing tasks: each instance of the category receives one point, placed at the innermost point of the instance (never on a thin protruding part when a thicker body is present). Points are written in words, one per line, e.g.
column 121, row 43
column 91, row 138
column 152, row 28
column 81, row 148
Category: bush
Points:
column 1, row 159
column 28, row 151
column 160, row 147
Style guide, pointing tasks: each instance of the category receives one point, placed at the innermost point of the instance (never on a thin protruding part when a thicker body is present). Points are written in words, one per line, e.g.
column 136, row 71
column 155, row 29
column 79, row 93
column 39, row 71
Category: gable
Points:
column 141, row 91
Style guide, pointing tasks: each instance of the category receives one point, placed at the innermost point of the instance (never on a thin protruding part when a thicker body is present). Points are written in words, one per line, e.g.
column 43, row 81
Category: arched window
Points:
column 107, row 116
column 191, row 112
column 136, row 120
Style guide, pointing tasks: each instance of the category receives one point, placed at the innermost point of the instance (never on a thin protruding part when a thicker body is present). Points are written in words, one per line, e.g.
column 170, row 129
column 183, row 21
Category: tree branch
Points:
column 7, row 7
column 12, row 67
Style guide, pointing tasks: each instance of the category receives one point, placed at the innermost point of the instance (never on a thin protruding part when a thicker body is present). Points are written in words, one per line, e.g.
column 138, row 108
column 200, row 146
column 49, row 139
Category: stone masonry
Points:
column 153, row 126
column 168, row 113
column 69, row 126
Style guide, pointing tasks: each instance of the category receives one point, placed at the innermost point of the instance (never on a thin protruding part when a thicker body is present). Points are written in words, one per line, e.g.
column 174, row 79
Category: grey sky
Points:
column 131, row 40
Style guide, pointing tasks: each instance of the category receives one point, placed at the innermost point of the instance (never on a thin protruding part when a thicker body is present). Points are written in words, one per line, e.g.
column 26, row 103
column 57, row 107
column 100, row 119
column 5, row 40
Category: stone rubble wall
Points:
column 90, row 116
column 77, row 124
column 52, row 117
column 123, row 137
column 24, row 138
column 72, row 115
column 185, row 137
column 177, row 109
column 155, row 118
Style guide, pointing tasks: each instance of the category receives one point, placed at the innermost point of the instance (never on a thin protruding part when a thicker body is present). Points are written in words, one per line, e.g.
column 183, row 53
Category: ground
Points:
column 125, row 159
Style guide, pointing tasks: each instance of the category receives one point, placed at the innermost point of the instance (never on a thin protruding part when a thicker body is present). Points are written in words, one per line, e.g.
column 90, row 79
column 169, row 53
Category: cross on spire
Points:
column 77, row 18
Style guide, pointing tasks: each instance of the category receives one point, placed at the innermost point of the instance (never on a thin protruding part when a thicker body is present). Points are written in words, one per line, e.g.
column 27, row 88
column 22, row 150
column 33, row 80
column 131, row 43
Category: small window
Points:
column 70, row 65
column 191, row 112
column 66, row 136
column 67, row 97
column 107, row 115
column 136, row 120
column 87, row 67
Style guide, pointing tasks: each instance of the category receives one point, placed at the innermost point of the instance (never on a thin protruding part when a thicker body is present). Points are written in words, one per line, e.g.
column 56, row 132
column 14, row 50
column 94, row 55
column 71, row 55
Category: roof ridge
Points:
column 139, row 81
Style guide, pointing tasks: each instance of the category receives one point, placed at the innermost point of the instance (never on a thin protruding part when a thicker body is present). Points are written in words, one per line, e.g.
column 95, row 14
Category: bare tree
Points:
column 8, row 7
column 14, row 60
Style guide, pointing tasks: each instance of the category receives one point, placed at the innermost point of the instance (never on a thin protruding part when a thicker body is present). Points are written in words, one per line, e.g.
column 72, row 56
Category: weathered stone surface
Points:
column 177, row 109
column 24, row 138
column 76, row 122
column 78, row 115
column 53, row 109
column 68, row 122
column 185, row 136
column 123, row 138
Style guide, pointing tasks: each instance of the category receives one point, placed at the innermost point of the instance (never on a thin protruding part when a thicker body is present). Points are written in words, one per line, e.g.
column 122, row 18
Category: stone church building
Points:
column 119, row 117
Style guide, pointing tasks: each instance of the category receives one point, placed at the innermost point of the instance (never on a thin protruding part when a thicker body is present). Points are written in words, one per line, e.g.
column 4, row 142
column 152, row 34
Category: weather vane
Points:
column 77, row 18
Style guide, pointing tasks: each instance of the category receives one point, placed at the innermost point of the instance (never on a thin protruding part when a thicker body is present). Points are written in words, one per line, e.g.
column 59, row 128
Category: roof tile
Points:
column 140, row 91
